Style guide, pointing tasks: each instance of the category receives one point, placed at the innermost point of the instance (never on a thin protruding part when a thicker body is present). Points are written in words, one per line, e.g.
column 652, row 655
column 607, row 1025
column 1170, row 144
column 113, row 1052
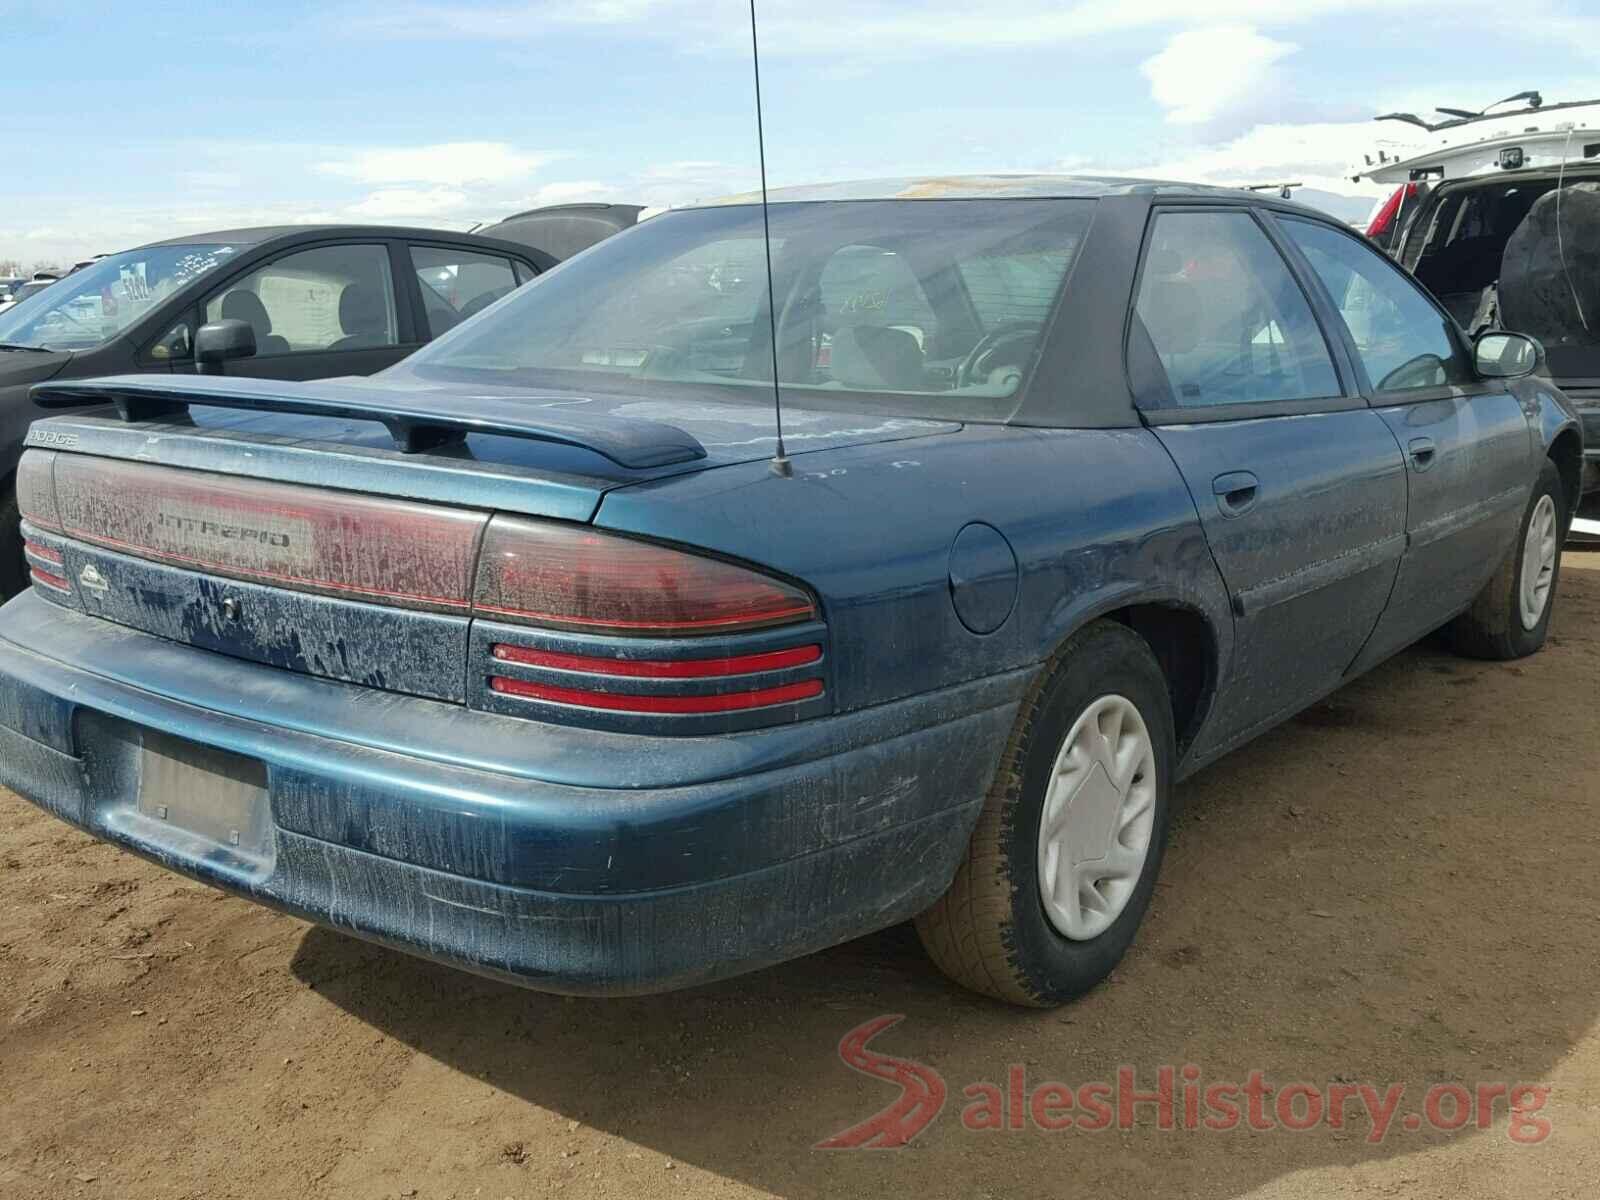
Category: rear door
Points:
column 321, row 312
column 1467, row 442
column 1299, row 485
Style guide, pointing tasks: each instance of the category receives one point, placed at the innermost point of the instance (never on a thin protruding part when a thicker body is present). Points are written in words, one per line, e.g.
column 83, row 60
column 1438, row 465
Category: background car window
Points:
column 1403, row 340
column 1226, row 318
column 330, row 298
column 176, row 344
column 457, row 284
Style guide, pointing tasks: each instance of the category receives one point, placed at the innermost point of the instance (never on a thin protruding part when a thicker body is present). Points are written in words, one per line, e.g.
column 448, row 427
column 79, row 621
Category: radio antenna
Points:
column 780, row 461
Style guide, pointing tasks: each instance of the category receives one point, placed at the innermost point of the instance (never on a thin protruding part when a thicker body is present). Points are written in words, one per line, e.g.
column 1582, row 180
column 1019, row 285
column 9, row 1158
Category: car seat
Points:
column 241, row 305
column 364, row 317
column 876, row 356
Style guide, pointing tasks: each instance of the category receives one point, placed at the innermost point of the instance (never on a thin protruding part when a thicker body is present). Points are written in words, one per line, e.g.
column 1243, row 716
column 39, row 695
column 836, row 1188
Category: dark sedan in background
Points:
column 319, row 301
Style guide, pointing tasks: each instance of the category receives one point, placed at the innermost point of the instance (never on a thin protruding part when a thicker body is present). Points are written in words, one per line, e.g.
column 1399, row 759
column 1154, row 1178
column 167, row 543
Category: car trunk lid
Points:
column 293, row 527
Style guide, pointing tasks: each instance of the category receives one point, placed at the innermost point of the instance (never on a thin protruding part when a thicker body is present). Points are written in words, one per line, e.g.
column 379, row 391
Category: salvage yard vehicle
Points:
column 294, row 302
column 541, row 656
column 562, row 230
column 1502, row 222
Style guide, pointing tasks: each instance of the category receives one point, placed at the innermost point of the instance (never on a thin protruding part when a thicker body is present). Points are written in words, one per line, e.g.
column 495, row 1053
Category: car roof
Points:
column 1002, row 187
column 261, row 235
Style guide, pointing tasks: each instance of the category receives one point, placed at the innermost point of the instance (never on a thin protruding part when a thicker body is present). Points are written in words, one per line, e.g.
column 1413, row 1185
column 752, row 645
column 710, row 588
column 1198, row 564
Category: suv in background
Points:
column 1521, row 250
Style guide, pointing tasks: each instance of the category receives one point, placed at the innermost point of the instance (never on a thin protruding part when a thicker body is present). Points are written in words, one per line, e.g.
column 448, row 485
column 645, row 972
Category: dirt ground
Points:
column 1399, row 887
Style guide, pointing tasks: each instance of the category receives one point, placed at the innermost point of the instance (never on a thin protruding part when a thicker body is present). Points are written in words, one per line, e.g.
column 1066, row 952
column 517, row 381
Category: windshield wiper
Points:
column 20, row 346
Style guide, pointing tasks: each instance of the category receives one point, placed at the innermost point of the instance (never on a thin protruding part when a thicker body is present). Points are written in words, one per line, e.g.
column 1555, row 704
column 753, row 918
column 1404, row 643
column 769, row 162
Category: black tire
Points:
column 13, row 568
column 989, row 932
column 1492, row 628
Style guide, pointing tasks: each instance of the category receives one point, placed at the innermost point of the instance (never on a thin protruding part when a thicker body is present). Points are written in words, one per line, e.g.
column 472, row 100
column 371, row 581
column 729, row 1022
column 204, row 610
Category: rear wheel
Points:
column 1064, row 859
column 1511, row 616
column 13, row 570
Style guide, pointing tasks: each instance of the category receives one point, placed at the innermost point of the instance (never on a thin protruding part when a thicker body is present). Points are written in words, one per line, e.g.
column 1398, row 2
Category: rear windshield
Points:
column 919, row 307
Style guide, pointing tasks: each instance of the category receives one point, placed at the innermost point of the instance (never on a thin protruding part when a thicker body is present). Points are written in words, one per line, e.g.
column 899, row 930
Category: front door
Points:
column 1299, row 485
column 327, row 311
column 1466, row 441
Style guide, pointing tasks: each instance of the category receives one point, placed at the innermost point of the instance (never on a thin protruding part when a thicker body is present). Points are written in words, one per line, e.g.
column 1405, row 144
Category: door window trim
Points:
column 1349, row 397
column 1374, row 397
column 424, row 331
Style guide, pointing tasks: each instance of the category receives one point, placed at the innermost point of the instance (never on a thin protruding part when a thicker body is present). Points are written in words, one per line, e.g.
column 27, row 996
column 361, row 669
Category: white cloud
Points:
column 453, row 163
column 1317, row 155
column 1203, row 73
column 389, row 204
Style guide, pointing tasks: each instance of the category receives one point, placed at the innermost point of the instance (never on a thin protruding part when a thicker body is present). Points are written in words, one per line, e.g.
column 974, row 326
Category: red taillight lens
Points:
column 1384, row 218
column 43, row 553
column 722, row 703
column 573, row 577
column 365, row 547
column 50, row 580
column 653, row 668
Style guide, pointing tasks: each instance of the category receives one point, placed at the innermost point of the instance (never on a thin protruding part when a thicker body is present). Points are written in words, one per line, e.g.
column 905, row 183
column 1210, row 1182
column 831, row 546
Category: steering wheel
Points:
column 976, row 361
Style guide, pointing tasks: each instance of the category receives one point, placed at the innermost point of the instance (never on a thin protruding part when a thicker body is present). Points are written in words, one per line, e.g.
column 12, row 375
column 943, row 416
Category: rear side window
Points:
column 1226, row 318
column 330, row 298
column 1014, row 288
column 1402, row 339
column 457, row 284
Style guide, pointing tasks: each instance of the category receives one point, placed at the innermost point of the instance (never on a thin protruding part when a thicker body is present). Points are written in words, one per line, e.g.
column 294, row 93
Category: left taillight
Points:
column 46, row 567
column 36, row 494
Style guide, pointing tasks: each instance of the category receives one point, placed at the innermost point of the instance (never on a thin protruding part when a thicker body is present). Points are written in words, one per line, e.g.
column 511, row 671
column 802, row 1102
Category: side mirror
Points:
column 216, row 343
column 1501, row 355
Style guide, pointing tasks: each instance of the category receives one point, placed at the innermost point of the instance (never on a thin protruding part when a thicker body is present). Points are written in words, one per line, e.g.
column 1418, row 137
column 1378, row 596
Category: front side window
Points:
column 329, row 298
column 933, row 307
column 1403, row 340
column 94, row 305
column 457, row 284
column 1226, row 318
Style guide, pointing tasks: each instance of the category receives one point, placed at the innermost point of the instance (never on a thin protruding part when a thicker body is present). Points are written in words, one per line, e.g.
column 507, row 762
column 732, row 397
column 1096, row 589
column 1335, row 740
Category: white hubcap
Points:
column 1099, row 812
column 1538, row 562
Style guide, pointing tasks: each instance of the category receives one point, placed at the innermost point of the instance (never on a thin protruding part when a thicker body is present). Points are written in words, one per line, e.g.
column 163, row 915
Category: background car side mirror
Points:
column 219, row 341
column 1501, row 355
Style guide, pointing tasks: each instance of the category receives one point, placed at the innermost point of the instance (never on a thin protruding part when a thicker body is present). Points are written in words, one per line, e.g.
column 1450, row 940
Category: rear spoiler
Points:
column 426, row 421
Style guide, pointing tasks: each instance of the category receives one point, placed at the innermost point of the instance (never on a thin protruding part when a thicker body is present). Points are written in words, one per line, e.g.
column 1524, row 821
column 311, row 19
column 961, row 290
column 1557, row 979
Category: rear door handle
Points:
column 1236, row 492
column 1422, row 452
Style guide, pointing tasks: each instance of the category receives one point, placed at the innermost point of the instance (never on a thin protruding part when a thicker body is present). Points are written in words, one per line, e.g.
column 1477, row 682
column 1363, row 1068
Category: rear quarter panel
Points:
column 1097, row 519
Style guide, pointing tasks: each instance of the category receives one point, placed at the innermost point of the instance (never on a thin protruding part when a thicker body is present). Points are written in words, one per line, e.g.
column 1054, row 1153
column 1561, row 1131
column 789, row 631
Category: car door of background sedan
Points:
column 1467, row 442
column 321, row 312
column 1299, row 485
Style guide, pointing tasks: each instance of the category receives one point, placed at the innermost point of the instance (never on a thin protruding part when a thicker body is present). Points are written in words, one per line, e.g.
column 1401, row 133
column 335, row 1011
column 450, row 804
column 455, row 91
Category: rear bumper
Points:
column 561, row 859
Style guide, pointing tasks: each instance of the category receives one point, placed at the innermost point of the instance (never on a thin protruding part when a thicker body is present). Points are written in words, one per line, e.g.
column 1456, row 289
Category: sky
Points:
column 124, row 123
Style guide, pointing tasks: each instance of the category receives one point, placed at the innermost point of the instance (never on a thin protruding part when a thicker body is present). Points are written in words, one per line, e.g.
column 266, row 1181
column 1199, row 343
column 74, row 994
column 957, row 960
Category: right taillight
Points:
column 575, row 578
column 1383, row 220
